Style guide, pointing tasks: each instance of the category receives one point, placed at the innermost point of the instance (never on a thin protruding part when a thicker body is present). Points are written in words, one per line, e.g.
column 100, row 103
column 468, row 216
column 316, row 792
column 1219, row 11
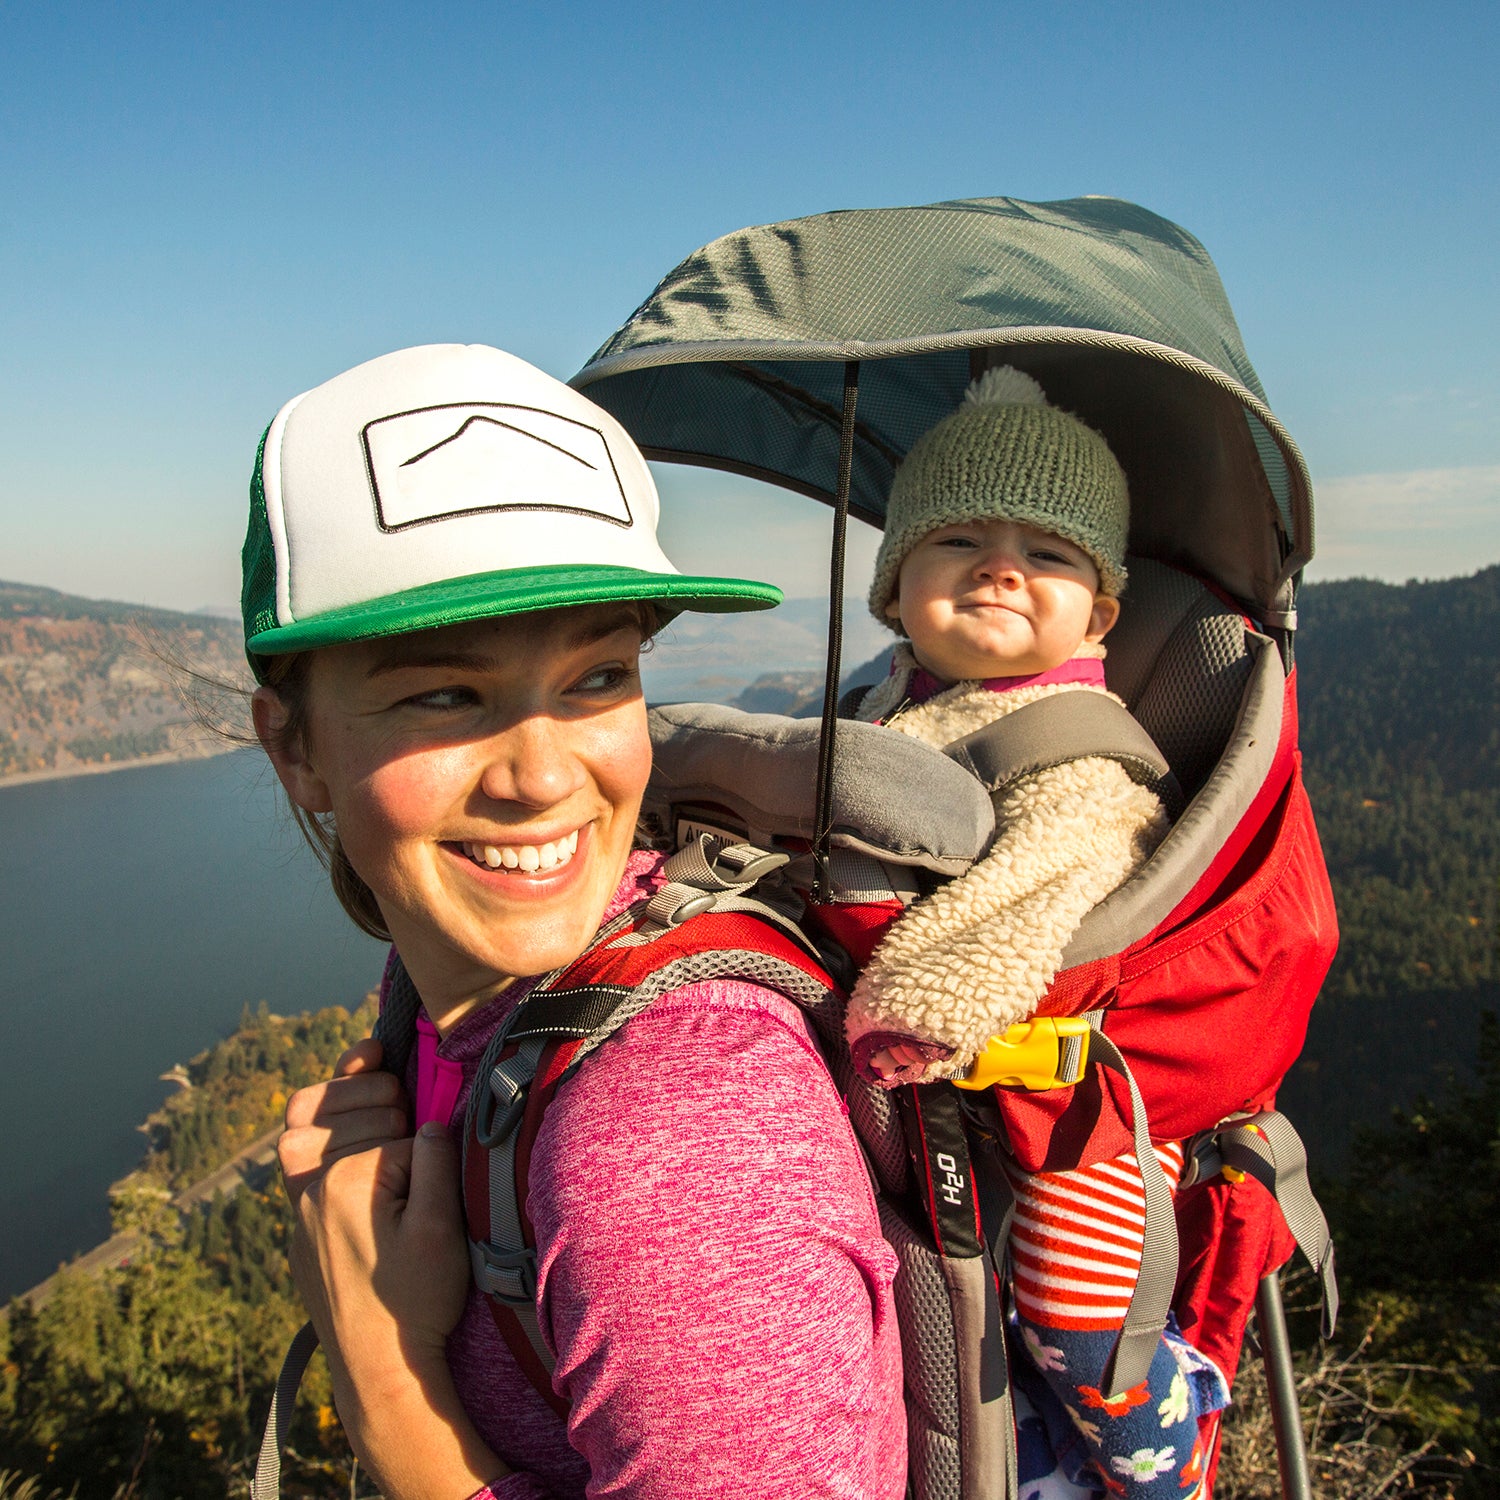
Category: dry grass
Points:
column 1358, row 1417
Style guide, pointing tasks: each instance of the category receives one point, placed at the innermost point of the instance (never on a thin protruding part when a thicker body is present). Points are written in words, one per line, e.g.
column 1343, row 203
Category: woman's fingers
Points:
column 359, row 1108
column 363, row 1057
column 319, row 1103
column 310, row 1149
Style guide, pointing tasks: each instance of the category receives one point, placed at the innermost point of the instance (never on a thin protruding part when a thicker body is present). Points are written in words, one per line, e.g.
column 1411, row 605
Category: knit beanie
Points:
column 1007, row 454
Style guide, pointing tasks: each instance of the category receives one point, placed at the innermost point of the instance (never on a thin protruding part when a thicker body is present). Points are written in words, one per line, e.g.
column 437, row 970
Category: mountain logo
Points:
column 440, row 462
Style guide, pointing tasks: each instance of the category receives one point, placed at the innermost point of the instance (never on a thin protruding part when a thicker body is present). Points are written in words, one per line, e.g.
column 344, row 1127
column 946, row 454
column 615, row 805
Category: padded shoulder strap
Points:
column 563, row 1019
column 1060, row 728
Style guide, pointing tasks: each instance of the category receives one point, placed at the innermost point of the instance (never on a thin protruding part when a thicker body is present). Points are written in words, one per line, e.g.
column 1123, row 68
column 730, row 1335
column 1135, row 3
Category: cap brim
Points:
column 482, row 596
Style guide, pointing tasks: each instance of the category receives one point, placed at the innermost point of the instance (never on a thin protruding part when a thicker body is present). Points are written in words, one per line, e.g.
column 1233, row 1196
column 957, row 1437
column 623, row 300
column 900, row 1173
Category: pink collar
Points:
column 1084, row 669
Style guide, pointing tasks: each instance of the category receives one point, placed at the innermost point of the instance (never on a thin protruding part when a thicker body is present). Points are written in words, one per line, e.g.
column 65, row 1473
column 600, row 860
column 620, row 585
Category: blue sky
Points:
column 206, row 209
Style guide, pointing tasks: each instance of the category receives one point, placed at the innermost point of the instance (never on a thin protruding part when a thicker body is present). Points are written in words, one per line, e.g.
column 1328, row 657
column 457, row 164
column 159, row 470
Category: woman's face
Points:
column 485, row 780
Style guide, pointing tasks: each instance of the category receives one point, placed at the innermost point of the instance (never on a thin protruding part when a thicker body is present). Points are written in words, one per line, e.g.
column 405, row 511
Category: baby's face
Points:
column 998, row 599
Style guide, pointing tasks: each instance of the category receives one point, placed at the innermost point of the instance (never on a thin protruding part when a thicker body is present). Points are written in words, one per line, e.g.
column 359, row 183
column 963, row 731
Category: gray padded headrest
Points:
column 893, row 797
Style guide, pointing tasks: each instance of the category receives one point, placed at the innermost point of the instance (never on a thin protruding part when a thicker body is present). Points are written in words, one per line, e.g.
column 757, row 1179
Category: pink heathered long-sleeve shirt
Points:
column 711, row 1271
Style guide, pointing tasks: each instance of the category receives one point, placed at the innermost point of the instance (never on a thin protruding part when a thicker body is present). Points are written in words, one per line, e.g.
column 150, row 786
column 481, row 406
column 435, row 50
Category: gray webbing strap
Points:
column 505, row 1267
column 267, row 1483
column 1267, row 1148
column 1055, row 730
column 707, row 876
column 396, row 1026
column 1151, row 1300
column 997, row 1208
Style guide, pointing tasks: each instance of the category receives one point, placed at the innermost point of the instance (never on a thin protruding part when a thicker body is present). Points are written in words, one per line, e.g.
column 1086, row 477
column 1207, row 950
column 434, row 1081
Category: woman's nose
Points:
column 533, row 763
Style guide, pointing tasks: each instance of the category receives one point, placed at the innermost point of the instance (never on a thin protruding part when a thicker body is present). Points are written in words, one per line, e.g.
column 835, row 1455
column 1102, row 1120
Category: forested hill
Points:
column 1404, row 677
column 87, row 682
column 1399, row 689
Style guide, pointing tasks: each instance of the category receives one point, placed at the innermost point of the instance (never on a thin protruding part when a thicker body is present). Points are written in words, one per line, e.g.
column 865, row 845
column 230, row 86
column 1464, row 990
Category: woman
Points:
column 450, row 572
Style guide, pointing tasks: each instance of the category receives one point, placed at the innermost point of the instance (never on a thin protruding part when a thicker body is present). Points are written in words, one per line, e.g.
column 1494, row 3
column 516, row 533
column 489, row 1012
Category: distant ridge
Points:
column 92, row 683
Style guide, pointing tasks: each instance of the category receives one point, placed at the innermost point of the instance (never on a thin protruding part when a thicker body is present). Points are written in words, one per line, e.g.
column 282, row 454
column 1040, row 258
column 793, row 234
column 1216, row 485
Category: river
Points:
column 140, row 912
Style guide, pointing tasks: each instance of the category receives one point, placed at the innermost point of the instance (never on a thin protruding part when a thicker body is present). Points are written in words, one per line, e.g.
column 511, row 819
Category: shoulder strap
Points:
column 633, row 962
column 1059, row 728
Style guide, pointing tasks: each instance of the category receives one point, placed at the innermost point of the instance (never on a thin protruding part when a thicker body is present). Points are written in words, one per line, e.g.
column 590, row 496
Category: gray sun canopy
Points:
column 736, row 361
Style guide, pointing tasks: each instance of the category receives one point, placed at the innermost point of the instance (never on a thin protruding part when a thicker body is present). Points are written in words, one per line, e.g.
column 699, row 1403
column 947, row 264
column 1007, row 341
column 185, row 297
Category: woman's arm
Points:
column 712, row 1273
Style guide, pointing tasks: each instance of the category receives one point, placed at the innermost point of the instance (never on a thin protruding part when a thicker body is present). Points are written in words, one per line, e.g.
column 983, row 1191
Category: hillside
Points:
column 85, row 682
column 1399, row 691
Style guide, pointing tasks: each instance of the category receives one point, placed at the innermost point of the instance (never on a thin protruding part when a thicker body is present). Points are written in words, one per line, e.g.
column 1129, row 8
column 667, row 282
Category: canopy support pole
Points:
column 822, row 891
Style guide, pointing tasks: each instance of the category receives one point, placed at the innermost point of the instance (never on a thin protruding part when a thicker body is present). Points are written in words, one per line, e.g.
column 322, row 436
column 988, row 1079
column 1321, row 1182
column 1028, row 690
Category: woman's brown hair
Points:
column 286, row 676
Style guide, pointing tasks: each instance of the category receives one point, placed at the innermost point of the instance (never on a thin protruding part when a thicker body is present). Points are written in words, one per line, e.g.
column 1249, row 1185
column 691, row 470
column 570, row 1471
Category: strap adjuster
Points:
column 508, row 1276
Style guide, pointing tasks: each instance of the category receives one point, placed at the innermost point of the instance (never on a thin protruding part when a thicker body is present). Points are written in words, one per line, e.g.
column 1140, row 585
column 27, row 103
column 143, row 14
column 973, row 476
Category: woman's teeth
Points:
column 528, row 858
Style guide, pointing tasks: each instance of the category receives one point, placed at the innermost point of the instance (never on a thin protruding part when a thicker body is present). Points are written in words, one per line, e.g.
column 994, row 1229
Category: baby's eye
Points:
column 966, row 542
column 1047, row 555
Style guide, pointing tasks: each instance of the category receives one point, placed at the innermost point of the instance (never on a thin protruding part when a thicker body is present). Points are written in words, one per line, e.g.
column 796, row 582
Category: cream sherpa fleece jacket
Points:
column 976, row 956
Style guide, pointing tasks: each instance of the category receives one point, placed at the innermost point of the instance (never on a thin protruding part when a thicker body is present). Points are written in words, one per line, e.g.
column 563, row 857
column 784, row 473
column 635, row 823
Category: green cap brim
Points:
column 483, row 596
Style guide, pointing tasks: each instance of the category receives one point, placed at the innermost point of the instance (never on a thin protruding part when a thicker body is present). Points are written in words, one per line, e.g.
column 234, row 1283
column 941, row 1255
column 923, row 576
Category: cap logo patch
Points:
column 440, row 462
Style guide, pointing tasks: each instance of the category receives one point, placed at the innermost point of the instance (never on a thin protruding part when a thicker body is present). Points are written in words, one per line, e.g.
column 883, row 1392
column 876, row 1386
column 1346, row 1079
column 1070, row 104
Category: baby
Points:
column 1002, row 564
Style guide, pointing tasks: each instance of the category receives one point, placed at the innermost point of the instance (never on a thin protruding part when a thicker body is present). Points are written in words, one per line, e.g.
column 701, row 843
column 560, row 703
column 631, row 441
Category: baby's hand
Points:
column 891, row 1062
column 359, row 1107
column 888, row 1058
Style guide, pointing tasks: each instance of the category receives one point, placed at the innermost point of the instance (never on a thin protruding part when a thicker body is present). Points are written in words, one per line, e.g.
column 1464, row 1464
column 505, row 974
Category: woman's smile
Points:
column 529, row 858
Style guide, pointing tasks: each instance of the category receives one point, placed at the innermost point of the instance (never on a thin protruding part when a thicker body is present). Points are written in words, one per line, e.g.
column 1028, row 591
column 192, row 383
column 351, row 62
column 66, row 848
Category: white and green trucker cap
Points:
column 445, row 483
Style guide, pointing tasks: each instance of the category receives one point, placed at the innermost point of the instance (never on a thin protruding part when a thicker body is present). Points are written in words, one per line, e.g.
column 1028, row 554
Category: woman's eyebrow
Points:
column 599, row 630
column 442, row 661
column 584, row 634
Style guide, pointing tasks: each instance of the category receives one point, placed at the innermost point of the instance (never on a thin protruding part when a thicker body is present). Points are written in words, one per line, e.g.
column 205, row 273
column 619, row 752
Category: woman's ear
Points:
column 287, row 752
column 1103, row 616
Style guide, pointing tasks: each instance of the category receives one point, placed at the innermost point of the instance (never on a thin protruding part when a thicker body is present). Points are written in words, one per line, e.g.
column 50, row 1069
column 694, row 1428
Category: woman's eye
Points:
column 606, row 679
column 443, row 700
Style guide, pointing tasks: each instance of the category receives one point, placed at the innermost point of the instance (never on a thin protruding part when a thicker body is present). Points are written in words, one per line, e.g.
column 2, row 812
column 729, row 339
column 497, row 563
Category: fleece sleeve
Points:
column 712, row 1275
column 978, row 954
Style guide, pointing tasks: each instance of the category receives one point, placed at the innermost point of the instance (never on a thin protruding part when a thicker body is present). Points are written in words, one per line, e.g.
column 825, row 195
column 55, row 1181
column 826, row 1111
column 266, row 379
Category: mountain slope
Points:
column 86, row 682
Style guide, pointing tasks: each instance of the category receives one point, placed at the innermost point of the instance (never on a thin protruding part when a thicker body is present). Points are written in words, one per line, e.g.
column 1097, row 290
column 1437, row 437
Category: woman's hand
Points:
column 359, row 1107
column 380, row 1259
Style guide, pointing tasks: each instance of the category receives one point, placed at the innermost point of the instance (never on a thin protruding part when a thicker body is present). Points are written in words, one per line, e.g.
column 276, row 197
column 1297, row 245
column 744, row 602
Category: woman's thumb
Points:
column 434, row 1200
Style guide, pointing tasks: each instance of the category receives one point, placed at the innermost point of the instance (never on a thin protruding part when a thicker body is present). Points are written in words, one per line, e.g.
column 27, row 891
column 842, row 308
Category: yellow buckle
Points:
column 1050, row 1052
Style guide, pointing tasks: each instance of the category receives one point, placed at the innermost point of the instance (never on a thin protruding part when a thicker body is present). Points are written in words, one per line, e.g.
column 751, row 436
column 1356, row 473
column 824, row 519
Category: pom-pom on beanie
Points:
column 1007, row 454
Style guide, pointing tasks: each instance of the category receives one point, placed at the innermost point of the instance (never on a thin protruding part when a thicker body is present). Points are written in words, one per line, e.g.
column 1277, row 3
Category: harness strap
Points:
column 939, row 1142
column 1060, row 728
column 709, row 875
column 544, row 1041
column 1150, row 1302
column 1267, row 1147
column 267, row 1482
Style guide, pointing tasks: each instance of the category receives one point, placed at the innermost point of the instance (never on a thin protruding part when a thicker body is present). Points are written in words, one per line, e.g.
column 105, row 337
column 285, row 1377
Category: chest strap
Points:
column 1059, row 728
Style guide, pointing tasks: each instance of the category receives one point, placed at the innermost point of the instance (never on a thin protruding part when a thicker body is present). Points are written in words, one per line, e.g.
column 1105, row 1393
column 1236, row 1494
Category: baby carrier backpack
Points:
column 812, row 354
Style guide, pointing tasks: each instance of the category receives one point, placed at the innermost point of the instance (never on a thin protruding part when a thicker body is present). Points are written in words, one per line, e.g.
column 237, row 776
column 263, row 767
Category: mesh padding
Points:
column 934, row 1467
column 1178, row 658
column 1193, row 698
column 872, row 1112
column 928, row 1341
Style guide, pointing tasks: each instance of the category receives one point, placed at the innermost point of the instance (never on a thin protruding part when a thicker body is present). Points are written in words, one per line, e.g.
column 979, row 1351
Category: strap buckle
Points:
column 1047, row 1052
column 509, row 1276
